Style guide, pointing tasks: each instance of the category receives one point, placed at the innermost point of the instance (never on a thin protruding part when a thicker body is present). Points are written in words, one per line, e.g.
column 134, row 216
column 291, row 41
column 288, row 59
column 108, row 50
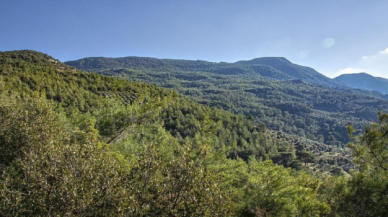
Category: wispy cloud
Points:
column 384, row 51
column 375, row 64
column 349, row 71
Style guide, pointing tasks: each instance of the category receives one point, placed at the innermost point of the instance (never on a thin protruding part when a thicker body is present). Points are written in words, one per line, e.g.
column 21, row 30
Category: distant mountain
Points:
column 286, row 97
column 306, row 74
column 364, row 81
column 274, row 68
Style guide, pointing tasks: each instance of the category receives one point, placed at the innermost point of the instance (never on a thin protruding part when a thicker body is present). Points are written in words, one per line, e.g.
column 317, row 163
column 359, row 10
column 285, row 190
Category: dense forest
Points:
column 284, row 96
column 81, row 144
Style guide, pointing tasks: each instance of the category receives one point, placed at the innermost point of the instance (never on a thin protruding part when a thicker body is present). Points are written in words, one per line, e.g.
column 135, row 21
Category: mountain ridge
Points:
column 364, row 81
column 273, row 68
column 278, row 68
column 279, row 99
column 307, row 74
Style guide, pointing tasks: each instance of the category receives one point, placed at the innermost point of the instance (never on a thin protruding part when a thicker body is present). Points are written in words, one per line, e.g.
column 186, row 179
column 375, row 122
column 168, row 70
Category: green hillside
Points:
column 28, row 73
column 275, row 91
column 82, row 144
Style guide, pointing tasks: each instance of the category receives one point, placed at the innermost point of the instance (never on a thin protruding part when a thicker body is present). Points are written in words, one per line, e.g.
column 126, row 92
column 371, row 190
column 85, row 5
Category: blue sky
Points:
column 332, row 36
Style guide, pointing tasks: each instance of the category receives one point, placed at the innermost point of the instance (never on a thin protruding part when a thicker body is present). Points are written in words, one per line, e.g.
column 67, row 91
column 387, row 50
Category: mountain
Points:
column 276, row 94
column 295, row 71
column 275, row 68
column 364, row 81
column 83, row 144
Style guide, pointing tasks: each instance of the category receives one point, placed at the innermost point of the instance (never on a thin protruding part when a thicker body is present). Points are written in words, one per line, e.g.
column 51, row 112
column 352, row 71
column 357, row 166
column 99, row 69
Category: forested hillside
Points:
column 276, row 92
column 28, row 73
column 82, row 144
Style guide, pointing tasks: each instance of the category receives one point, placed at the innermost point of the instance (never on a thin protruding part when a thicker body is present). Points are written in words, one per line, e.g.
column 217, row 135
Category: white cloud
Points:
column 384, row 51
column 349, row 70
column 375, row 64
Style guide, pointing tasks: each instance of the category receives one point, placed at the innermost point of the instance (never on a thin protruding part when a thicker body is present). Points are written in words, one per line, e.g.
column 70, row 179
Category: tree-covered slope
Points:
column 271, row 95
column 81, row 144
column 29, row 73
column 364, row 81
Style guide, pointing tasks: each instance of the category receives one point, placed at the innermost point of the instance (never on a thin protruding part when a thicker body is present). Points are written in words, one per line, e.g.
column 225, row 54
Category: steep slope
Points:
column 29, row 73
column 364, row 81
column 281, row 101
column 295, row 71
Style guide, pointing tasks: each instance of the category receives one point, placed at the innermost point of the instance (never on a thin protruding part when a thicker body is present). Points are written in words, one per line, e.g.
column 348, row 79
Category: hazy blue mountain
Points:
column 364, row 81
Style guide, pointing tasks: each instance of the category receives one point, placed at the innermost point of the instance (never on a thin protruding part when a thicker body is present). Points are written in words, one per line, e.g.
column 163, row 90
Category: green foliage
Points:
column 21, row 128
column 94, row 96
column 179, row 187
column 364, row 193
column 235, row 133
column 272, row 190
column 151, row 152
column 55, row 170
column 368, row 194
column 372, row 150
column 306, row 157
column 333, row 190
column 28, row 72
column 54, row 161
column 265, row 88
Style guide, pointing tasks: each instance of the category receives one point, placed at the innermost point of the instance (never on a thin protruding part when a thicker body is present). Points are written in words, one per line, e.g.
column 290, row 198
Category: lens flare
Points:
column 328, row 42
